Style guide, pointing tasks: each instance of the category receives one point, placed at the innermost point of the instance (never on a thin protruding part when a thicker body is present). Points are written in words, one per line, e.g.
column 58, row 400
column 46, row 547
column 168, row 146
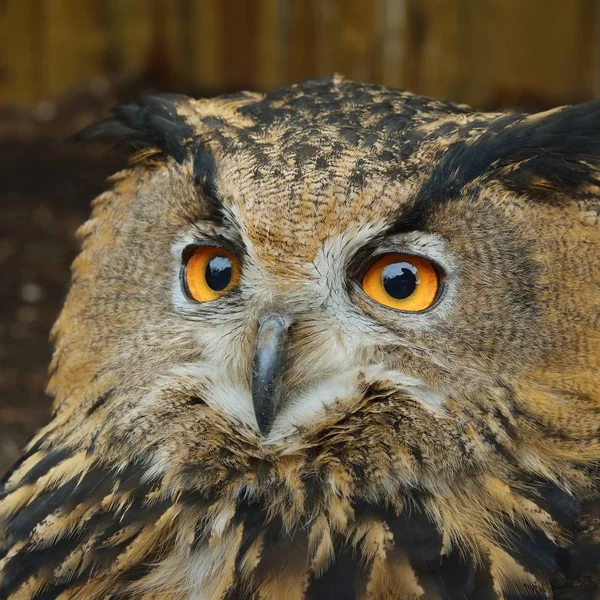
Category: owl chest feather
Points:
column 89, row 530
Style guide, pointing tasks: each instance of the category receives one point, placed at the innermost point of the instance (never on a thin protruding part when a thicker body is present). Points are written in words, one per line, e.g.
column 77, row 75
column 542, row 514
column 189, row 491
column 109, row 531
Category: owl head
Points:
column 357, row 313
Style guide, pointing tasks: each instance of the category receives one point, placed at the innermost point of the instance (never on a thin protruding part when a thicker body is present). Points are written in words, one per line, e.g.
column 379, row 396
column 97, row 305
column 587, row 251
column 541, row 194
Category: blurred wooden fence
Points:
column 485, row 52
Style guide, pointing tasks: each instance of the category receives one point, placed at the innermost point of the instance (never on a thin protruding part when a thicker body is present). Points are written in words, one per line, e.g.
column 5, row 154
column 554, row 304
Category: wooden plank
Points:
column 239, row 44
column 360, row 43
column 540, row 51
column 19, row 53
column 434, row 57
column 392, row 32
column 327, row 17
column 167, row 57
column 128, row 27
column 73, row 45
column 486, row 52
column 207, row 25
column 347, row 38
column 301, row 32
column 270, row 44
column 493, row 53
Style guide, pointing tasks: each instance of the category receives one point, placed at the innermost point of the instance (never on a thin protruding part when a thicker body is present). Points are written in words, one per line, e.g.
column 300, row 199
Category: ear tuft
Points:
column 152, row 122
column 547, row 156
column 556, row 151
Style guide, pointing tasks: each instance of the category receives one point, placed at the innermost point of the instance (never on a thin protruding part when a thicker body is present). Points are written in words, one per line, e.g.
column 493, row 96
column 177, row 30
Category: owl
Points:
column 336, row 341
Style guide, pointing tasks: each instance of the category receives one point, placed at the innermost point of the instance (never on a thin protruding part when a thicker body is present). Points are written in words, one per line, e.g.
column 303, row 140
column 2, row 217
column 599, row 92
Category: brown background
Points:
column 485, row 52
column 63, row 63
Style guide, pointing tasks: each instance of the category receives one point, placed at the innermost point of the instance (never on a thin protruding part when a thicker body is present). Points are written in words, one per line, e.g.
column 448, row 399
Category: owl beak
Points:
column 268, row 367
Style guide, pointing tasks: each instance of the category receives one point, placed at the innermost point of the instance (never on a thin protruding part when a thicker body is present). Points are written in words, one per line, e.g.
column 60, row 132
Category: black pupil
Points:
column 218, row 273
column 400, row 280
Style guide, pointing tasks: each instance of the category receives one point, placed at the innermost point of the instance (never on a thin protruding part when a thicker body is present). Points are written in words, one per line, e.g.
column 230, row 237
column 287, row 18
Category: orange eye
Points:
column 402, row 281
column 210, row 272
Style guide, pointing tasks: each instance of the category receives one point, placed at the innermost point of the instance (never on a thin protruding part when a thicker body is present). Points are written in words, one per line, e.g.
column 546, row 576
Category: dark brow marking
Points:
column 553, row 149
column 205, row 172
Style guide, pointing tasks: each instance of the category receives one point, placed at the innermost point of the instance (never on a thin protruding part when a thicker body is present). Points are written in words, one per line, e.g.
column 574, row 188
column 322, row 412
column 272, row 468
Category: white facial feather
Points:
column 306, row 405
column 330, row 361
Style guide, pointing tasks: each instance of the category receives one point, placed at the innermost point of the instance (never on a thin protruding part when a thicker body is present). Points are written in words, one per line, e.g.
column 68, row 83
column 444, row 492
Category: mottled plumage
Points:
column 447, row 454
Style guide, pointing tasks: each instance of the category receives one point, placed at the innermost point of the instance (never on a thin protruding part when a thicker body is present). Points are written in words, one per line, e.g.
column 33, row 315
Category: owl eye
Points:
column 402, row 281
column 209, row 273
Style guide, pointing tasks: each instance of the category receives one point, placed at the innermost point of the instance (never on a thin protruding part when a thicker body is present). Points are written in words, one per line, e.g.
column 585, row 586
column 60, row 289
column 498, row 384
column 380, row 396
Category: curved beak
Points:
column 268, row 368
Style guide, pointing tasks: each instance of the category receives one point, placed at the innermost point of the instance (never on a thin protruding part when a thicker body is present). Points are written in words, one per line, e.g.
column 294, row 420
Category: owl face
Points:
column 337, row 323
column 288, row 262
column 369, row 300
